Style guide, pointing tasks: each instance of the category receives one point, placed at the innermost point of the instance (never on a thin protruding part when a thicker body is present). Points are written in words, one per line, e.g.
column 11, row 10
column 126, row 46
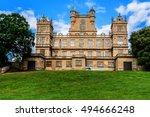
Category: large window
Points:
column 89, row 64
column 64, row 43
column 82, row 25
column 72, row 43
column 78, row 62
column 110, row 64
column 107, row 53
column 58, row 63
column 48, row 63
column 42, row 41
column 99, row 53
column 89, row 53
column 120, row 40
column 68, row 64
column 81, row 43
column 43, row 29
column 100, row 64
column 119, row 28
column 107, row 43
column 81, row 53
column 64, row 54
column 99, row 43
column 90, row 43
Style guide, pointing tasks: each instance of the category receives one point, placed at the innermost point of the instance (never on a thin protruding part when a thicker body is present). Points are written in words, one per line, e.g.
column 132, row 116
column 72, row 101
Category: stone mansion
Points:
column 82, row 47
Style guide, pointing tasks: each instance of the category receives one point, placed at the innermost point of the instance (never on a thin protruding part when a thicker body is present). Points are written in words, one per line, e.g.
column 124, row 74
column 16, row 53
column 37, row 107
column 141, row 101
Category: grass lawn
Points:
column 70, row 85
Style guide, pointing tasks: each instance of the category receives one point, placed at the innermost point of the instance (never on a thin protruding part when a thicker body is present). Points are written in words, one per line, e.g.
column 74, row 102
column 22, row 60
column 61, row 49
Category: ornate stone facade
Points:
column 82, row 47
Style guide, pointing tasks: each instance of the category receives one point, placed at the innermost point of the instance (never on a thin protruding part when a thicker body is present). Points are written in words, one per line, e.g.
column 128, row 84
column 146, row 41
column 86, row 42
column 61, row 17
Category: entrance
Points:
column 128, row 66
column 31, row 65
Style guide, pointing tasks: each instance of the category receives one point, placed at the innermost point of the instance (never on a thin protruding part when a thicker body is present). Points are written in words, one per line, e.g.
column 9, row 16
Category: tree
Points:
column 15, row 36
column 140, row 44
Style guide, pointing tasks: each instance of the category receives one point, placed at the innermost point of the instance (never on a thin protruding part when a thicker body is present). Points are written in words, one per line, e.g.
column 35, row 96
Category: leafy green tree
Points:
column 15, row 36
column 140, row 44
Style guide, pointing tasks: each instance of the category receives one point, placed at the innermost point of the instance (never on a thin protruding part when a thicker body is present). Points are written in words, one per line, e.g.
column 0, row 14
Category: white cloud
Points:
column 90, row 4
column 62, row 15
column 30, row 17
column 100, row 9
column 6, row 12
column 104, row 29
column 60, row 26
column 121, row 9
column 138, row 12
column 28, row 14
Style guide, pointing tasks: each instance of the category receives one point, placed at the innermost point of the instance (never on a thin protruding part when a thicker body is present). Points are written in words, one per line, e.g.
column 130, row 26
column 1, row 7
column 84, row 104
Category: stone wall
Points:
column 120, row 62
column 4, row 69
column 39, row 62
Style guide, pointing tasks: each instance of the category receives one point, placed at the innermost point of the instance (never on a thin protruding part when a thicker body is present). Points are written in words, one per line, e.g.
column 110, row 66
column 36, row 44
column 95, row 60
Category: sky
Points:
column 137, row 12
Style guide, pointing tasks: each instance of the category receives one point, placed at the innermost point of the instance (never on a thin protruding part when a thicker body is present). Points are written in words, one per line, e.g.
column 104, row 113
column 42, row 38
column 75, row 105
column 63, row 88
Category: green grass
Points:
column 72, row 85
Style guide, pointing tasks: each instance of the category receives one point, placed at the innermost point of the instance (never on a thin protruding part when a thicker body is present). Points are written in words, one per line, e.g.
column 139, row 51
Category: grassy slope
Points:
column 75, row 85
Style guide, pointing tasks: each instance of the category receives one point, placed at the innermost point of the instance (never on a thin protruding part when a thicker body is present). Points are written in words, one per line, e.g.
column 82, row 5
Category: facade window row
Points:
column 86, row 53
column 79, row 63
column 82, row 43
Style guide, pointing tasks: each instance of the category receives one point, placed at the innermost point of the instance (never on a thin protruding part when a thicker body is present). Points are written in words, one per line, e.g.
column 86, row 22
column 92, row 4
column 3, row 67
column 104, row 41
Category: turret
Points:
column 92, row 15
column 119, row 35
column 73, row 15
column 44, row 36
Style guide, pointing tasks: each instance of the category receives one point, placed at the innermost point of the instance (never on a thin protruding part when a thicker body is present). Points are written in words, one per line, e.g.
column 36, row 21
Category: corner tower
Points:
column 44, row 36
column 119, row 36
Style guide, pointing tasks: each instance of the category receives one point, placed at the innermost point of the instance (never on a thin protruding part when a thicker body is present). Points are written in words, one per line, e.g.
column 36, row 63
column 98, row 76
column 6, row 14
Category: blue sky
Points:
column 136, row 11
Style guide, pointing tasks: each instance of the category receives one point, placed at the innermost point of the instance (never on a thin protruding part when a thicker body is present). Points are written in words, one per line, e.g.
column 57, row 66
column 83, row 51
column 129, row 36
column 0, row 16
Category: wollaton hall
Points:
column 82, row 48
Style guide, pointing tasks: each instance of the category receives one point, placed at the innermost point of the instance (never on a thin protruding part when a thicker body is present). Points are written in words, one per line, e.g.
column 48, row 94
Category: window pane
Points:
column 43, row 29
column 107, row 43
column 48, row 63
column 81, row 44
column 78, row 63
column 81, row 53
column 119, row 28
column 120, row 40
column 64, row 43
column 90, row 53
column 100, row 64
column 68, row 64
column 98, row 53
column 98, row 43
column 42, row 41
column 107, row 53
column 82, row 25
column 64, row 54
column 90, row 43
column 110, row 64
column 58, row 64
column 72, row 43
column 89, row 64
